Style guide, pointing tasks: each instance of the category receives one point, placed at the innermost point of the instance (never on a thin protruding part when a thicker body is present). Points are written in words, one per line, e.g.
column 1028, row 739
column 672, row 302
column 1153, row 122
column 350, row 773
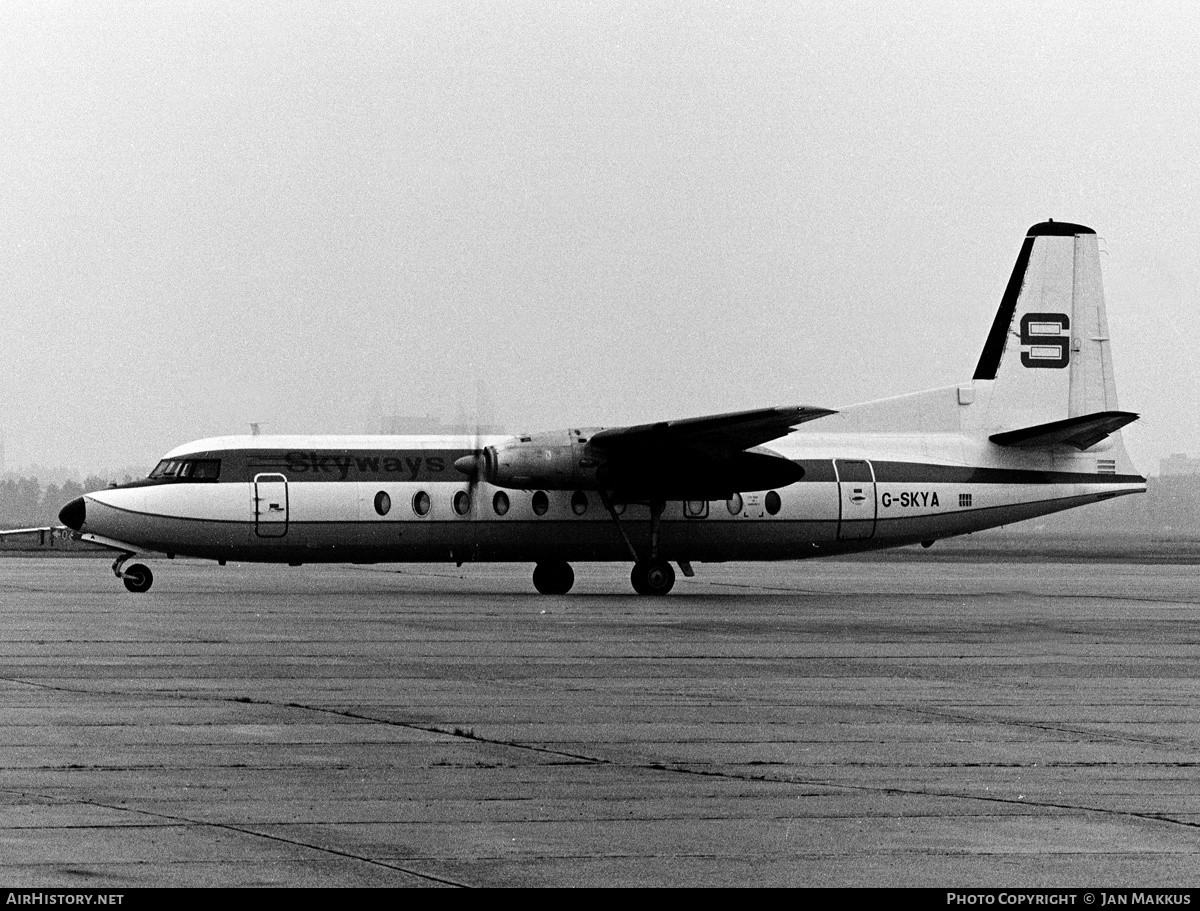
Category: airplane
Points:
column 1034, row 431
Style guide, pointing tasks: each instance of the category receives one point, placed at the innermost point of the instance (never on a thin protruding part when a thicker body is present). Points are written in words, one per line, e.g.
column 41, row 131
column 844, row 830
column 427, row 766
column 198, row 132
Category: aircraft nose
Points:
column 73, row 514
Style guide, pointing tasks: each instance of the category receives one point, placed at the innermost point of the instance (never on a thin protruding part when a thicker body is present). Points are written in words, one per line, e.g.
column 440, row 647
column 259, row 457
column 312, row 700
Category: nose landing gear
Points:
column 137, row 578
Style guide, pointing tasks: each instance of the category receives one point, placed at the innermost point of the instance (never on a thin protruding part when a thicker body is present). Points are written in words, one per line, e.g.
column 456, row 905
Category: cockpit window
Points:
column 186, row 470
column 206, row 469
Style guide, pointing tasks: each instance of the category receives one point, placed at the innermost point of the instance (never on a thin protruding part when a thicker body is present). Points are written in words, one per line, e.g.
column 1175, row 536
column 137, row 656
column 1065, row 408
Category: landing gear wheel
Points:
column 138, row 578
column 553, row 578
column 652, row 577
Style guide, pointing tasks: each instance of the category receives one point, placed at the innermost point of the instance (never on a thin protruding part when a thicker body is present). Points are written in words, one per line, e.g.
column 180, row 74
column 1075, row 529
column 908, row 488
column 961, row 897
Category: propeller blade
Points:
column 477, row 473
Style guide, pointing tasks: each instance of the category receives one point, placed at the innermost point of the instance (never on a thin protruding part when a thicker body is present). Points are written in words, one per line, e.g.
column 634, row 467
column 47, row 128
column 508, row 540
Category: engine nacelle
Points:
column 565, row 460
column 555, row 460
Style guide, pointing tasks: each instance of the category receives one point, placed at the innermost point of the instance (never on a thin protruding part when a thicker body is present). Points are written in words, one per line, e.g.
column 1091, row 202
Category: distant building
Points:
column 1178, row 465
column 432, row 425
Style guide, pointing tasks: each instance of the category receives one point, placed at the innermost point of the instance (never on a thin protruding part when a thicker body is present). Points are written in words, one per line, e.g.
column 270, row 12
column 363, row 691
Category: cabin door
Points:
column 856, row 491
column 270, row 505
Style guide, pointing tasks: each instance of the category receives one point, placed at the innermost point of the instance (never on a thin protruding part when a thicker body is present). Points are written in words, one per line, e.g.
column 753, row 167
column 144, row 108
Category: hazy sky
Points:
column 310, row 213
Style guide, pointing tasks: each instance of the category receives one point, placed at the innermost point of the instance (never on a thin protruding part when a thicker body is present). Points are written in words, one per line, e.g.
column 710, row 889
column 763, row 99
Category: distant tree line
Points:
column 24, row 502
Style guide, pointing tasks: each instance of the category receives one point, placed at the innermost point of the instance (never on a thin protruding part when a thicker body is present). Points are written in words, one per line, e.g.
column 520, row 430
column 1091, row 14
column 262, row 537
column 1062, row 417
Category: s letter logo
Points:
column 1043, row 333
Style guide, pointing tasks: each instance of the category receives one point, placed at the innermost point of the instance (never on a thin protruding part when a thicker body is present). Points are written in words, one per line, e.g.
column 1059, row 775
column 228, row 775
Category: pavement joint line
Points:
column 1039, row 595
column 187, row 822
column 1044, row 726
column 675, row 768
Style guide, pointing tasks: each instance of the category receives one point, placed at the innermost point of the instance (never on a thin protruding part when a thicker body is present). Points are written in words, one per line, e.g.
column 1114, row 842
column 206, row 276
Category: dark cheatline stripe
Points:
column 993, row 349
column 435, row 467
column 916, row 472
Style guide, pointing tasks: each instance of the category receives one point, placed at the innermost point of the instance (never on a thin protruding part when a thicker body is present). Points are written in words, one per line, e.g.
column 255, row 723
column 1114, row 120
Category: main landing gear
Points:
column 137, row 578
column 554, row 577
column 652, row 576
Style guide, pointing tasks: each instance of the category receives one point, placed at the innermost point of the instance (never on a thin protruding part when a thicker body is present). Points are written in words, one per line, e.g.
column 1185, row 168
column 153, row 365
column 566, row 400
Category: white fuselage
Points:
column 361, row 499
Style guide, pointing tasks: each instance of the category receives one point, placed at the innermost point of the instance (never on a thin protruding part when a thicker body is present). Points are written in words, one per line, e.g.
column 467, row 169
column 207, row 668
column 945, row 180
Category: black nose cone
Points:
column 73, row 514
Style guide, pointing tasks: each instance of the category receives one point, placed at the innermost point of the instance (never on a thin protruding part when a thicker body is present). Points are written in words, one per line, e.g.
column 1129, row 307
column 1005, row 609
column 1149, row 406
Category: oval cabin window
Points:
column 383, row 503
column 579, row 502
column 541, row 503
column 500, row 502
column 772, row 502
column 462, row 502
column 421, row 503
column 734, row 504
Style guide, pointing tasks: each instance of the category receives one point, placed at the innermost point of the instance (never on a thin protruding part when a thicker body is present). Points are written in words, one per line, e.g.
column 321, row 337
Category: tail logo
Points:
column 1042, row 333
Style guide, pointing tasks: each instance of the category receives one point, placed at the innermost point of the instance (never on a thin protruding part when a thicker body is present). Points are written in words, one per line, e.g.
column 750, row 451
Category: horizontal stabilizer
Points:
column 1082, row 432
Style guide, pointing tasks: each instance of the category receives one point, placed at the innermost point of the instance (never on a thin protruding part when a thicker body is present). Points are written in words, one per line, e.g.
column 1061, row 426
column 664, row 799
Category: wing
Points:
column 717, row 436
column 699, row 458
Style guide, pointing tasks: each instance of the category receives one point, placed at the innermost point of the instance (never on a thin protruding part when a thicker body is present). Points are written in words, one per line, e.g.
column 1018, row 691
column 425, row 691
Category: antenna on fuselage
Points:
column 254, row 428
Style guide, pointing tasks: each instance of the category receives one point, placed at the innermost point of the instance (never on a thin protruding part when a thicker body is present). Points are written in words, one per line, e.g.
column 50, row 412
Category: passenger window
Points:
column 462, row 502
column 579, row 502
column 541, row 503
column 773, row 503
column 500, row 503
column 420, row 503
column 695, row 509
column 383, row 503
column 734, row 504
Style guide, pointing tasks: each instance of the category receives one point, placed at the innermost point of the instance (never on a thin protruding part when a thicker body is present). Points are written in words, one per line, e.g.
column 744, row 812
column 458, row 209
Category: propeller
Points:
column 474, row 465
column 478, row 465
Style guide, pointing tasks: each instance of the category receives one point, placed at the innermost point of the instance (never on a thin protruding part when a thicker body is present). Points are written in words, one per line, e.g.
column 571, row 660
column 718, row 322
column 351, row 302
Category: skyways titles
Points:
column 340, row 466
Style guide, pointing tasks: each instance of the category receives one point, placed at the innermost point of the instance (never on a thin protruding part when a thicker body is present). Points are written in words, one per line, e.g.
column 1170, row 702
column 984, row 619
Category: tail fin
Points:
column 1048, row 353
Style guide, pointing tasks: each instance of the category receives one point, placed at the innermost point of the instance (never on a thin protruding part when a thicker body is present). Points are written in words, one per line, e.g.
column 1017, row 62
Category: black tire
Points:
column 138, row 578
column 652, row 577
column 553, row 578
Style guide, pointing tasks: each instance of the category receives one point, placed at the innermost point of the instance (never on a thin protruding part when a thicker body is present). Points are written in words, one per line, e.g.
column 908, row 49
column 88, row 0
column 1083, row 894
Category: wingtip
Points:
column 805, row 413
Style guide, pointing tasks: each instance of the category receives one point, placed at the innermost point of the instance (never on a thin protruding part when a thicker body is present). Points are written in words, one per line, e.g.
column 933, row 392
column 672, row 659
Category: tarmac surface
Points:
column 827, row 723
